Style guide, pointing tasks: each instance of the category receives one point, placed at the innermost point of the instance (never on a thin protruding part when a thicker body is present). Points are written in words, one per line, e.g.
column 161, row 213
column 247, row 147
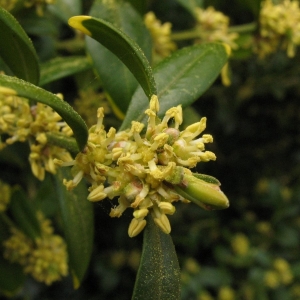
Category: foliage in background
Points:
column 246, row 252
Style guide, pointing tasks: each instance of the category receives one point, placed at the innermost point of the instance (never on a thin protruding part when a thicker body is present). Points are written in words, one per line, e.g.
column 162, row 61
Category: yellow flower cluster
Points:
column 21, row 122
column 138, row 168
column 280, row 274
column 5, row 193
column 161, row 36
column 226, row 293
column 279, row 26
column 8, row 4
column 213, row 26
column 45, row 258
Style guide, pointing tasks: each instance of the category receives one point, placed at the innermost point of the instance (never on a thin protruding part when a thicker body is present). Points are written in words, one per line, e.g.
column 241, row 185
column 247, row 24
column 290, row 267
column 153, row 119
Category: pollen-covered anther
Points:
column 136, row 226
column 173, row 112
column 163, row 223
column 140, row 213
column 167, row 208
column 207, row 156
column 136, row 128
column 97, row 194
column 193, row 130
column 100, row 116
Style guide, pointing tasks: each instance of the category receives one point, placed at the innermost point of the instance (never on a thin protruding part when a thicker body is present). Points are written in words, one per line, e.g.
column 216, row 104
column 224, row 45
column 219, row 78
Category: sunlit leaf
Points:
column 121, row 45
column 181, row 79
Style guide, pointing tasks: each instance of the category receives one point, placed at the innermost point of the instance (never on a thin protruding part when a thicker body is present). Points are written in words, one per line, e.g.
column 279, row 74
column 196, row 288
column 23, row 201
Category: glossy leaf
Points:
column 159, row 273
column 181, row 79
column 121, row 87
column 78, row 224
column 11, row 85
column 122, row 46
column 60, row 67
column 65, row 9
column 24, row 214
column 12, row 277
column 16, row 49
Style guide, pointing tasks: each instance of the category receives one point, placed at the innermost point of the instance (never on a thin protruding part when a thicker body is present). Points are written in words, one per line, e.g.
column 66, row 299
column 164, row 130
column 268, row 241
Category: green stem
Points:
column 195, row 33
column 245, row 28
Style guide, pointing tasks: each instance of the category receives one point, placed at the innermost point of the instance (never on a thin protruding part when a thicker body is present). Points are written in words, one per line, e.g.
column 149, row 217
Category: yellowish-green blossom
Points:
column 163, row 45
column 240, row 244
column 140, row 165
column 45, row 258
column 212, row 26
column 279, row 274
column 279, row 27
column 22, row 122
column 226, row 293
column 5, row 192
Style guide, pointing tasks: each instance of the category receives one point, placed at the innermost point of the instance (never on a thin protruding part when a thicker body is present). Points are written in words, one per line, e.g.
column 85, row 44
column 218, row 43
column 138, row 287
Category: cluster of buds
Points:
column 22, row 122
column 163, row 45
column 213, row 26
column 148, row 170
column 44, row 258
column 279, row 26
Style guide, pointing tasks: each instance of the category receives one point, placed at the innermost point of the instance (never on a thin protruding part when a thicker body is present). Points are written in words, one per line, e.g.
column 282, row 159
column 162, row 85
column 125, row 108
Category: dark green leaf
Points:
column 11, row 277
column 120, row 87
column 182, row 78
column 16, row 49
column 66, row 9
column 122, row 46
column 158, row 276
column 24, row 214
column 60, row 67
column 78, row 225
column 63, row 141
column 11, row 85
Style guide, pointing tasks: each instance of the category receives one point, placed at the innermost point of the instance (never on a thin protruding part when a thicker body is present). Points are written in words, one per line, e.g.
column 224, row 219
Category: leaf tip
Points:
column 76, row 22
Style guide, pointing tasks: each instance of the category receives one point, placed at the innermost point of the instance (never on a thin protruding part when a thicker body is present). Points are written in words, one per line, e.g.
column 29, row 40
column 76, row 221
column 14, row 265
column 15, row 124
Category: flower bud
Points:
column 207, row 195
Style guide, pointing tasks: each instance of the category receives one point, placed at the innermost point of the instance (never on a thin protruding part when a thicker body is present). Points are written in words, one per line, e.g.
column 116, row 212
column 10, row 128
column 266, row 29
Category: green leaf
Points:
column 120, row 87
column 24, row 214
column 60, row 67
column 181, row 79
column 12, row 277
column 122, row 46
column 78, row 224
column 12, row 85
column 16, row 49
column 65, row 9
column 63, row 141
column 158, row 276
